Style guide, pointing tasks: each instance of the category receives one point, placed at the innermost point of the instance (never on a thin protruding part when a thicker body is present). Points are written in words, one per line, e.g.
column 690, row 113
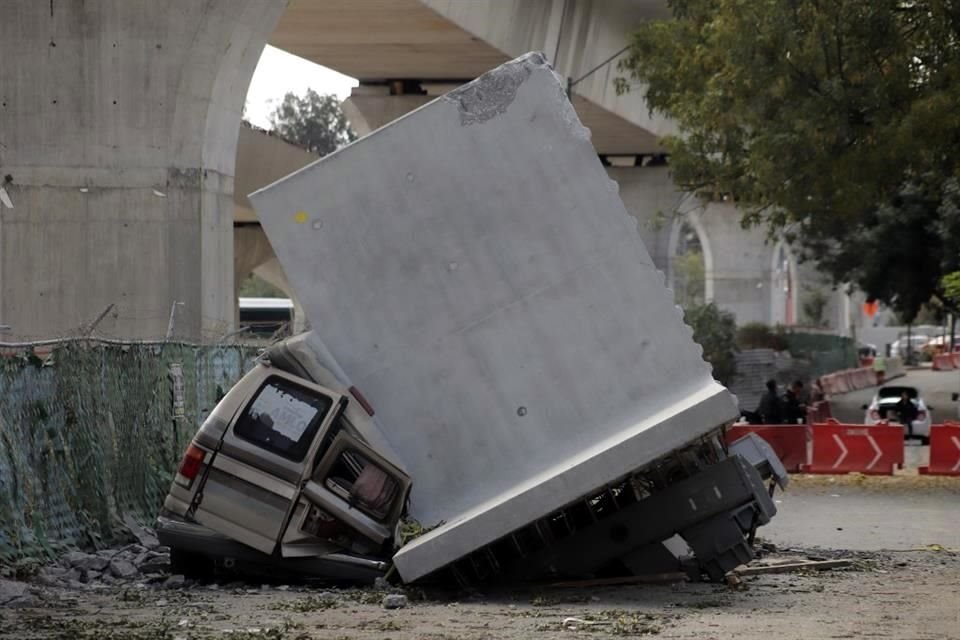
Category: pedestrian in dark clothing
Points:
column 907, row 411
column 771, row 409
column 794, row 409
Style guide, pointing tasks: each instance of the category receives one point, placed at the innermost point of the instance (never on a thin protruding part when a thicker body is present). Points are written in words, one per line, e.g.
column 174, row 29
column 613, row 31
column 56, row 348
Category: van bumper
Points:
column 189, row 537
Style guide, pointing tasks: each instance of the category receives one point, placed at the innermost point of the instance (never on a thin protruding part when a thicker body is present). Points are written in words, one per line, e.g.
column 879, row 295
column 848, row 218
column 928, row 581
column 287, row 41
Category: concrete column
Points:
column 118, row 135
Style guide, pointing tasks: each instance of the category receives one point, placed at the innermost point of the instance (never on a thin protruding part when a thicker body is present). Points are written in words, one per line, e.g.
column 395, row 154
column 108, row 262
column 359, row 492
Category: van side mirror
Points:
column 865, row 407
column 955, row 396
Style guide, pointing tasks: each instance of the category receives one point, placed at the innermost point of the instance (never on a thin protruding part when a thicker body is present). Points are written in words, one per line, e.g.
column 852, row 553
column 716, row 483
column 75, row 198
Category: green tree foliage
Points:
column 715, row 331
column 689, row 279
column 313, row 121
column 835, row 123
column 814, row 305
column 256, row 287
column 756, row 335
column 951, row 287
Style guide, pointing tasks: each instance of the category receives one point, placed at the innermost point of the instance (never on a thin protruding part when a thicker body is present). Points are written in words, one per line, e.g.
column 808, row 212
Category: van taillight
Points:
column 362, row 400
column 190, row 465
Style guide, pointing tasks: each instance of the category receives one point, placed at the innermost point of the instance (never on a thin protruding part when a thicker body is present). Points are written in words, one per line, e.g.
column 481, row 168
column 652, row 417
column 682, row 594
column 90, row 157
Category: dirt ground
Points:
column 894, row 595
column 902, row 534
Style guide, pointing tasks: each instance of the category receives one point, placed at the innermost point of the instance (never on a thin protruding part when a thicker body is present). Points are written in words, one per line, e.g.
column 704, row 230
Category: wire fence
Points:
column 91, row 431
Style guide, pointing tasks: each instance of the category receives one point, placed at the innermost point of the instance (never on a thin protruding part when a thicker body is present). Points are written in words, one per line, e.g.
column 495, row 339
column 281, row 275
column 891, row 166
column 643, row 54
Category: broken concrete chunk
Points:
column 176, row 581
column 394, row 601
column 89, row 576
column 123, row 569
column 11, row 591
column 85, row 561
column 471, row 271
column 146, row 537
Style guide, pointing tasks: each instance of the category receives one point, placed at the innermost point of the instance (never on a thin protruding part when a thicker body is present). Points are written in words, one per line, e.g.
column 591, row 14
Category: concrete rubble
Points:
column 131, row 563
column 472, row 270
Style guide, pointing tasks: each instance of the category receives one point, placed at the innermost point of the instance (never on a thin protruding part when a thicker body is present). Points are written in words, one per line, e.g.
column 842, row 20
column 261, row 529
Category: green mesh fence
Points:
column 823, row 353
column 91, row 432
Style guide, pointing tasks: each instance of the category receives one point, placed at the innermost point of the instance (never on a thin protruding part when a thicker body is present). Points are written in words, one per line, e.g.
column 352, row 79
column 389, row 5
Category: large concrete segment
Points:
column 118, row 134
column 474, row 272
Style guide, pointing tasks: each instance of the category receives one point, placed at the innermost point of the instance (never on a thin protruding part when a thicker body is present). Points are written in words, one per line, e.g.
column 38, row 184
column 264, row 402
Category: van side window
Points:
column 283, row 418
column 363, row 484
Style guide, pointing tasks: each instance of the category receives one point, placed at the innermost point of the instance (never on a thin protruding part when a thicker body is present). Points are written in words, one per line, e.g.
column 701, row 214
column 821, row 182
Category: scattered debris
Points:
column 175, row 582
column 146, row 537
column 15, row 594
column 790, row 567
column 394, row 601
column 123, row 569
column 656, row 578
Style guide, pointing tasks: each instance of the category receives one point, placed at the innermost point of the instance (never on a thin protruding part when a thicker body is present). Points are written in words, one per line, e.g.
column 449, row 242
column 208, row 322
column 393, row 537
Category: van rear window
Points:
column 283, row 418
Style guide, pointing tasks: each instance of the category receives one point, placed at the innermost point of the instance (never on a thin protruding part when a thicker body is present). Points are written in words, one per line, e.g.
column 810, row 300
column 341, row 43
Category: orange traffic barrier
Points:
column 943, row 362
column 944, row 451
column 788, row 441
column 819, row 412
column 846, row 448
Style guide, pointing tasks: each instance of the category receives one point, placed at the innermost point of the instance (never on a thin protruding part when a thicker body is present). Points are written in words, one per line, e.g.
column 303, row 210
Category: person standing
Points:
column 880, row 368
column 794, row 409
column 770, row 408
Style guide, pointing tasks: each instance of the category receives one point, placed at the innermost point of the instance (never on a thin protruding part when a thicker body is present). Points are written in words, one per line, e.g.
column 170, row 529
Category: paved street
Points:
column 935, row 388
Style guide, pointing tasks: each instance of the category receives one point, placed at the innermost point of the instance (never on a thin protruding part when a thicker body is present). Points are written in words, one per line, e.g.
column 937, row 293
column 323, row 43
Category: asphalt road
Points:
column 876, row 513
column 867, row 514
column 935, row 388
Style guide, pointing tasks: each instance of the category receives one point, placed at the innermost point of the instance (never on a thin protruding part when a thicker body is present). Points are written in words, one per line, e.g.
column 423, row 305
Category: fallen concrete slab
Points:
column 472, row 270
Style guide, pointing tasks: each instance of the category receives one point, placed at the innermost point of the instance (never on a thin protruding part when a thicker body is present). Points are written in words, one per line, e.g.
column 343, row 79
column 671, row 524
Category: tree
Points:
column 689, row 279
column 313, row 121
column 814, row 306
column 835, row 124
column 715, row 331
column 256, row 287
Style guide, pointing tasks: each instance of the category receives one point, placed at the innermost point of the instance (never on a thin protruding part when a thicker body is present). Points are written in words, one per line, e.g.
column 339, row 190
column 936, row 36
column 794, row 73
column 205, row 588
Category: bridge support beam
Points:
column 118, row 135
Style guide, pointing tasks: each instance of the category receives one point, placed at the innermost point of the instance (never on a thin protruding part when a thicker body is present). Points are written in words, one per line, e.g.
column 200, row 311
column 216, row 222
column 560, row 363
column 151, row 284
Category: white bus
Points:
column 265, row 317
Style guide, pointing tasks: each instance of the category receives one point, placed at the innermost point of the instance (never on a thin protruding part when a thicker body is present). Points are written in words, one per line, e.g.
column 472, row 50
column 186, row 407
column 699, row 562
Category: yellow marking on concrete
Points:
column 301, row 217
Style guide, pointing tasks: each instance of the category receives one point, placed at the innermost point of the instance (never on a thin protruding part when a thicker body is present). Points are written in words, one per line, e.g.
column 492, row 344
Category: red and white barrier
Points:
column 789, row 441
column 944, row 451
column 819, row 412
column 956, row 360
column 845, row 448
column 943, row 362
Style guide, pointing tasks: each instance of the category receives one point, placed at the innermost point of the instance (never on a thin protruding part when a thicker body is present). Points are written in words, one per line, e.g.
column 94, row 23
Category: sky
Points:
column 279, row 72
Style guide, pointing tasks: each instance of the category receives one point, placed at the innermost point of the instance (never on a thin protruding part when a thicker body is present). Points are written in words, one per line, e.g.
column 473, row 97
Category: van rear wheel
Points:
column 195, row 566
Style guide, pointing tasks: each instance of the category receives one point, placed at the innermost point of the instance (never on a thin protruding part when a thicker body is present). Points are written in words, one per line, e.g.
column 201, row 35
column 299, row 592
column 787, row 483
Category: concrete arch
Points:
column 693, row 219
column 784, row 285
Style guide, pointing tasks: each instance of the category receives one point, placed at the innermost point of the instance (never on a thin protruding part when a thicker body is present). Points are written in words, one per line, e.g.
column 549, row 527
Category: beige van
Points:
column 281, row 478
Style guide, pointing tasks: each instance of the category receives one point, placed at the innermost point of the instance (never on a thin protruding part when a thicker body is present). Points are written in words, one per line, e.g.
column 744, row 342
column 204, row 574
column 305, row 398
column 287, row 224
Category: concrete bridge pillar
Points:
column 118, row 134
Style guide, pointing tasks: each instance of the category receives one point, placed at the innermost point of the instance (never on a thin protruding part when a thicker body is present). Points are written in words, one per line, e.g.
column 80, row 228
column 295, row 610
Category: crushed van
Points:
column 495, row 365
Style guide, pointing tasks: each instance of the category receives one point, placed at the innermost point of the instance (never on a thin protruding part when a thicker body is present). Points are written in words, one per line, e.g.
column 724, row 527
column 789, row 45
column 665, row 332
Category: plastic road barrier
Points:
column 944, row 451
column 943, row 362
column 846, row 448
column 788, row 441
